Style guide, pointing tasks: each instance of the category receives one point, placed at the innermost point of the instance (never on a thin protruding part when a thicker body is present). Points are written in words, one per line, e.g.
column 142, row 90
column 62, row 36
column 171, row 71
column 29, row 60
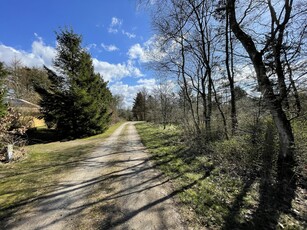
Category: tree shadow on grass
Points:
column 231, row 219
column 43, row 136
column 272, row 203
column 276, row 193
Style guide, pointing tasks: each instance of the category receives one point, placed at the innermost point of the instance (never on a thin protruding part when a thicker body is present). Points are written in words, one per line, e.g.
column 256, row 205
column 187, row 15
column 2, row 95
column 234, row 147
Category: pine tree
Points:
column 138, row 109
column 77, row 101
column 54, row 99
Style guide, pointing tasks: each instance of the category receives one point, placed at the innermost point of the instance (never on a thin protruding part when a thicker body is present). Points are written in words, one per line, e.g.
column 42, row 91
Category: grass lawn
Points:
column 39, row 171
column 215, row 200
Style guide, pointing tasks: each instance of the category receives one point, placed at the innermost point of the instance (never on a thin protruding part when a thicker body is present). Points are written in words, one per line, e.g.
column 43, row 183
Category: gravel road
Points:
column 134, row 196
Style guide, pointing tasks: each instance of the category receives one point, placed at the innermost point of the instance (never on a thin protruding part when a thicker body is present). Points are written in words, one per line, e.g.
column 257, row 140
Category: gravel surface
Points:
column 136, row 195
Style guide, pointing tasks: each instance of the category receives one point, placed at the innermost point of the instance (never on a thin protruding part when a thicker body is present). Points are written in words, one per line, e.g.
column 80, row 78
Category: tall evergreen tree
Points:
column 77, row 101
column 138, row 109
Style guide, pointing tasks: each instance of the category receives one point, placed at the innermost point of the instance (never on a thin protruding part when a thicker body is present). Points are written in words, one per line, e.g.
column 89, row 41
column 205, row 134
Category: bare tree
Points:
column 190, row 26
column 171, row 25
column 166, row 101
column 230, row 72
column 276, row 98
column 21, row 81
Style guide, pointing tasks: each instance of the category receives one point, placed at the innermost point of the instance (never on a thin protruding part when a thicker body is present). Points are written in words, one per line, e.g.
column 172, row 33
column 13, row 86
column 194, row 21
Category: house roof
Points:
column 20, row 102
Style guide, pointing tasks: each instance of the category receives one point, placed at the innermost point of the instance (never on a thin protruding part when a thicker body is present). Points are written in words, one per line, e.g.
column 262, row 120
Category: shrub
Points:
column 11, row 130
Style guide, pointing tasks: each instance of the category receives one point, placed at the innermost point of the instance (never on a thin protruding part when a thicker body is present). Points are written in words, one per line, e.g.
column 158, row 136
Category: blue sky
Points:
column 115, row 32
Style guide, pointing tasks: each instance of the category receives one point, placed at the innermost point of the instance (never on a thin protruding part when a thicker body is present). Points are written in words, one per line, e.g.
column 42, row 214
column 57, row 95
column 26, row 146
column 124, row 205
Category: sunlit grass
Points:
column 208, row 196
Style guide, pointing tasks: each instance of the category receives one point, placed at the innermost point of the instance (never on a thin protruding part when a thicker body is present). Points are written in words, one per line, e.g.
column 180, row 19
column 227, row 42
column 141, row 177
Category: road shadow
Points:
column 112, row 220
column 62, row 188
column 103, row 182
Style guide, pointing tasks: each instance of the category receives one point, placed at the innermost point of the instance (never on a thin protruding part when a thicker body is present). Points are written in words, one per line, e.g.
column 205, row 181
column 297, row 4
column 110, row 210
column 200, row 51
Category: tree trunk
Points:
column 221, row 112
column 200, row 11
column 209, row 110
column 286, row 157
column 204, row 99
column 185, row 86
column 234, row 121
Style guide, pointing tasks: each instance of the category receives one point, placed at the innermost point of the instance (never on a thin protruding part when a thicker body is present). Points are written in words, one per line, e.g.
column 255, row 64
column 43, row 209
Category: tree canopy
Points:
column 77, row 100
column 138, row 109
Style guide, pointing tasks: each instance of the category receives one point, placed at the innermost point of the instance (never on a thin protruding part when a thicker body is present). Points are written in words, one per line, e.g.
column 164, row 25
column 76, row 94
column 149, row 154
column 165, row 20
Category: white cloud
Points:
column 136, row 51
column 115, row 27
column 148, row 52
column 41, row 54
column 91, row 46
column 109, row 48
column 115, row 72
column 129, row 92
column 112, row 30
column 116, row 23
column 131, row 67
column 129, row 35
column 148, row 83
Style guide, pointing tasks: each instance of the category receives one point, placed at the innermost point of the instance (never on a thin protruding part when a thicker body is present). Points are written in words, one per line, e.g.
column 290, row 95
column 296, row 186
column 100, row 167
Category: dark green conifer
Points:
column 78, row 100
column 138, row 109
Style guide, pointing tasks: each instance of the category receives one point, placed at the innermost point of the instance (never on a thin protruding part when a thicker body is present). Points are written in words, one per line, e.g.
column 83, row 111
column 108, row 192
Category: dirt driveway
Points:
column 119, row 179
